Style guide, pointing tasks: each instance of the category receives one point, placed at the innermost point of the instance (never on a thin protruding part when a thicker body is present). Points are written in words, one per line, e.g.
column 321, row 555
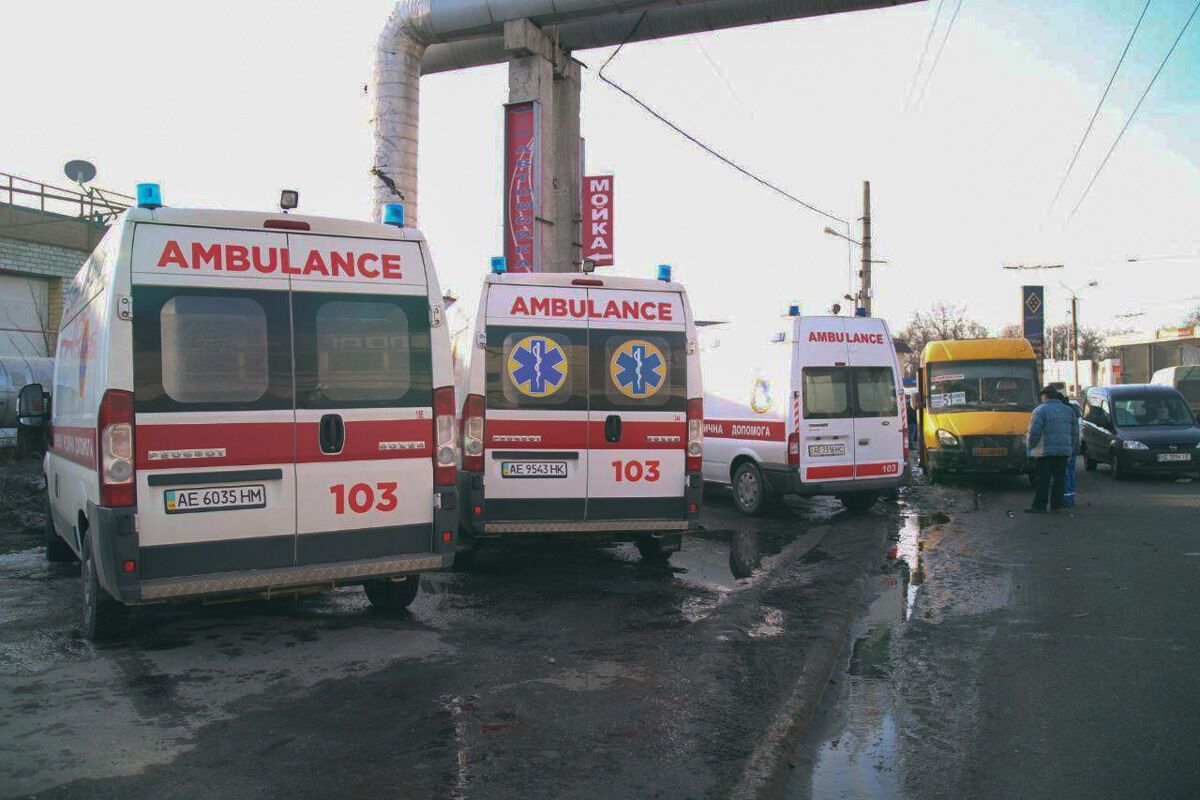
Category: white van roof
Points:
column 254, row 221
column 593, row 280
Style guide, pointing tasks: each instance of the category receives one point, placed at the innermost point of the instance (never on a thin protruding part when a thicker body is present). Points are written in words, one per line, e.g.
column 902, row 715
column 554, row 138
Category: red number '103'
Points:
column 362, row 497
column 634, row 471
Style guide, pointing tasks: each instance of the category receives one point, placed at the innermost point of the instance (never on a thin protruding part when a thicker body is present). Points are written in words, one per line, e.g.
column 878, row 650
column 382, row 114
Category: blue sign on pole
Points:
column 1033, row 317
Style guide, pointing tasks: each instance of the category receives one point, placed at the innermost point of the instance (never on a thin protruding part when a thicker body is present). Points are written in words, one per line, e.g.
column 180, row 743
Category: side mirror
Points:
column 31, row 406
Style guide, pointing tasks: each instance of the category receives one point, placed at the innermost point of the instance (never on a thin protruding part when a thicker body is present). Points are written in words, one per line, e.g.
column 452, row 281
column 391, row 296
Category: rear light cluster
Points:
column 117, row 473
column 793, row 445
column 472, row 433
column 695, row 435
column 445, row 446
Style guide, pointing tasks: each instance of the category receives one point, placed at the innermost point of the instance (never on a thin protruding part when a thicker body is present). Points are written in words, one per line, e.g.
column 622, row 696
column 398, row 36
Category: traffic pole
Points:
column 864, row 274
column 1075, row 340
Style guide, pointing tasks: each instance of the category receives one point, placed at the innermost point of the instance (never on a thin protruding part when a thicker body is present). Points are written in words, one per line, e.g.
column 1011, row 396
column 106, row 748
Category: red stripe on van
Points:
column 642, row 435
column 398, row 437
column 756, row 430
column 517, row 434
column 883, row 468
column 245, row 444
column 75, row 444
column 820, row 473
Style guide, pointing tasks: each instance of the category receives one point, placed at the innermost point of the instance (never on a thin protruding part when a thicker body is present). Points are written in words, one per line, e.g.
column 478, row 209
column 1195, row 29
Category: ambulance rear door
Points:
column 364, row 398
column 822, row 373
column 879, row 428
column 536, row 403
column 213, row 417
column 638, row 410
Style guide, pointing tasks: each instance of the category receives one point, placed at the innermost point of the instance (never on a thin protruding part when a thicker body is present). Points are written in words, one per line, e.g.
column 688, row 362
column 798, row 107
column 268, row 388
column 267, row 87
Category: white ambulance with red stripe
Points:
column 251, row 403
column 820, row 412
column 583, row 411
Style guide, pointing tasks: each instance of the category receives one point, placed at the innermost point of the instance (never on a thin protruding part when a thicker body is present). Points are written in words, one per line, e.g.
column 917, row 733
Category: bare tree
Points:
column 941, row 321
column 1192, row 317
column 1058, row 341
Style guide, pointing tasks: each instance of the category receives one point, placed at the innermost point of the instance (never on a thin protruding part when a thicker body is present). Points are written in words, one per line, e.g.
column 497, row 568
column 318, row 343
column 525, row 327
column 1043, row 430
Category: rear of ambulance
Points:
column 290, row 407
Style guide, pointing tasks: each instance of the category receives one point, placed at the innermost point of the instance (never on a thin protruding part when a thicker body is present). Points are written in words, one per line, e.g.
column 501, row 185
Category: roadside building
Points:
column 1141, row 355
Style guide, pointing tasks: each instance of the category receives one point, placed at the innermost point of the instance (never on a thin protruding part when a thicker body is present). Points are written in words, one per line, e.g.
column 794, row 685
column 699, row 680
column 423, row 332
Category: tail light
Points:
column 117, row 473
column 695, row 435
column 472, row 433
column 793, row 445
column 445, row 448
column 904, row 436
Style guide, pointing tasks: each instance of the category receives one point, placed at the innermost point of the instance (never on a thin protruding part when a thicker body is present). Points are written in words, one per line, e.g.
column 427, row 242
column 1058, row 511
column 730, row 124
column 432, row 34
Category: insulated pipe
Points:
column 425, row 36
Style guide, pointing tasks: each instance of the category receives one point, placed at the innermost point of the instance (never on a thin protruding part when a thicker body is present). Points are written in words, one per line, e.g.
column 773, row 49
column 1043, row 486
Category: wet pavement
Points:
column 540, row 672
column 1002, row 655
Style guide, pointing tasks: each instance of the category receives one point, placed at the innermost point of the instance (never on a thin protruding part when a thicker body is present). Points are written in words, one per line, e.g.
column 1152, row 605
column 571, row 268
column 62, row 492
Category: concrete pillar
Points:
column 539, row 70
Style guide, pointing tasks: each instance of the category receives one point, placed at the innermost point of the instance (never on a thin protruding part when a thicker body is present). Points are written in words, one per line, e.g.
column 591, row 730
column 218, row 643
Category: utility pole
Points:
column 864, row 274
column 1075, row 340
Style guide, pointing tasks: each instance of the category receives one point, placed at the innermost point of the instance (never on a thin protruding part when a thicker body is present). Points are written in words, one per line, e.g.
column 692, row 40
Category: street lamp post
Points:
column 1075, row 328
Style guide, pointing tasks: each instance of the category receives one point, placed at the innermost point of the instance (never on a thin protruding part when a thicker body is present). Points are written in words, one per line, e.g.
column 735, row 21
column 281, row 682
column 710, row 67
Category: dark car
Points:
column 1140, row 428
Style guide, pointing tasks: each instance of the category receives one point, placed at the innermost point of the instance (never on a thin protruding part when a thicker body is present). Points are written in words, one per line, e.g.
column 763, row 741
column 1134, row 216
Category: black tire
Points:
column 1117, row 472
column 935, row 476
column 1089, row 463
column 389, row 595
column 105, row 619
column 745, row 554
column 858, row 502
column 750, row 492
column 656, row 551
column 57, row 550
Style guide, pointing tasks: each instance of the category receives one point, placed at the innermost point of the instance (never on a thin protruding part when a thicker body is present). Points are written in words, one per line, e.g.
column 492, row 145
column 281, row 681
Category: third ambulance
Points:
column 819, row 412
column 582, row 416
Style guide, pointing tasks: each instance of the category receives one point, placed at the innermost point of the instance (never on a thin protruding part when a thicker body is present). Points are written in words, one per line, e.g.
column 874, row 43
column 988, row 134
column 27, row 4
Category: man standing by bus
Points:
column 1050, row 438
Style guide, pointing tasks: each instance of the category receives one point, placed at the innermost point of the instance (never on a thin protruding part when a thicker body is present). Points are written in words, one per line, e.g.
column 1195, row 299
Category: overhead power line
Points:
column 938, row 57
column 1133, row 113
column 924, row 51
column 694, row 140
column 1096, row 112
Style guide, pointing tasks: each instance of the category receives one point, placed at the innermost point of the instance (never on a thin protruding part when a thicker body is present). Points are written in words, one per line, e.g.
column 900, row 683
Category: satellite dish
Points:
column 79, row 170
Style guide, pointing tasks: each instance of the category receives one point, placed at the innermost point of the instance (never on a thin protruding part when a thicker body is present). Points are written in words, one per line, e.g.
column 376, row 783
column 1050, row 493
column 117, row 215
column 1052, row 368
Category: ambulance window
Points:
column 826, row 393
column 537, row 368
column 639, row 370
column 874, row 392
column 214, row 349
column 361, row 351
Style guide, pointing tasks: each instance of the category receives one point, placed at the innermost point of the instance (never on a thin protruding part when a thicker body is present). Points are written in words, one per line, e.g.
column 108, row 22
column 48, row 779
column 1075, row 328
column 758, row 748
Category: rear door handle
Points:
column 332, row 433
column 612, row 428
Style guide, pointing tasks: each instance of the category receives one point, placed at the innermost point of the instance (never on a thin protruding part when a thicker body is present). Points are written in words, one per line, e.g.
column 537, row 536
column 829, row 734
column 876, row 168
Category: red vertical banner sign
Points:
column 598, row 220
column 521, row 187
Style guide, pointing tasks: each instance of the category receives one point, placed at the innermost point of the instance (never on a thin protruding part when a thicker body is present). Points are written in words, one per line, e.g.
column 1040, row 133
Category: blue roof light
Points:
column 860, row 312
column 149, row 195
column 794, row 310
column 393, row 214
column 664, row 272
column 498, row 265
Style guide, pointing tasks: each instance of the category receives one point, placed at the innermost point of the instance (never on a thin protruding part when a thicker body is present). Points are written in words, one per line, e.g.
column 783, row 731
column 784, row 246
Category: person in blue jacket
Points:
column 1052, row 441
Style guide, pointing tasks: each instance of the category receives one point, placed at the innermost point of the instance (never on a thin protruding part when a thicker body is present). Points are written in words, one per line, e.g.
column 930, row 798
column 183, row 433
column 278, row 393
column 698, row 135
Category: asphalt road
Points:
column 1003, row 655
column 542, row 672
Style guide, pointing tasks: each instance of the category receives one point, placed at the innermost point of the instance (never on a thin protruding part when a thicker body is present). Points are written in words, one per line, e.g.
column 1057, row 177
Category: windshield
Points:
column 1150, row 411
column 982, row 386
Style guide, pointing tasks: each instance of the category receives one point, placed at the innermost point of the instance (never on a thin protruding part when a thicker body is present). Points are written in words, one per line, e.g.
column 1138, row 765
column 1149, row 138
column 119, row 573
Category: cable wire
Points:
column 938, row 57
column 924, row 52
column 1087, row 132
column 1133, row 113
column 706, row 148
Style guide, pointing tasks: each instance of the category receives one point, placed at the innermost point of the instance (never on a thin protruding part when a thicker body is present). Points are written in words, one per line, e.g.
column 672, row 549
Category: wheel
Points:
column 1117, row 472
column 750, row 493
column 389, row 595
column 1089, row 463
column 745, row 554
column 57, row 550
column 858, row 502
column 936, row 476
column 104, row 618
column 656, row 551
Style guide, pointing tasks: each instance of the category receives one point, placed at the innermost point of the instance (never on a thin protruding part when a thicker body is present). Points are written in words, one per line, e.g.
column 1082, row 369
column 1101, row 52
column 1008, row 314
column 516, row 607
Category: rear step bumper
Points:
column 588, row 526
column 282, row 578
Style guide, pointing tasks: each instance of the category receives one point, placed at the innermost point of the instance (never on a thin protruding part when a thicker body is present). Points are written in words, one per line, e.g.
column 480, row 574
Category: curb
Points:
column 765, row 772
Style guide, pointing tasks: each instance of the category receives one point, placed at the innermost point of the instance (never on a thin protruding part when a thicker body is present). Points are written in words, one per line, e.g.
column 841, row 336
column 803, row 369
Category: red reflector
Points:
column 286, row 224
column 692, row 508
column 129, row 566
column 478, row 510
column 447, row 536
column 587, row 282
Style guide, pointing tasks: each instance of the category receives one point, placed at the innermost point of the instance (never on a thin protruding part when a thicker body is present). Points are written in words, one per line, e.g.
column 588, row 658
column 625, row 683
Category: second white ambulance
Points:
column 583, row 412
column 249, row 403
column 821, row 413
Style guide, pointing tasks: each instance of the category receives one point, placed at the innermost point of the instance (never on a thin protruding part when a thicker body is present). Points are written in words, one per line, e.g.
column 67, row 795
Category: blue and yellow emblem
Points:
column 537, row 366
column 169, row 496
column 638, row 369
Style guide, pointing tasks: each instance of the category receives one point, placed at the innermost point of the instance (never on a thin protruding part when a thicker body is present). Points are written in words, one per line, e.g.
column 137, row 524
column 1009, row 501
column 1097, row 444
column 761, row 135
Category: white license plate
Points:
column 1174, row 456
column 827, row 450
column 214, row 498
column 533, row 469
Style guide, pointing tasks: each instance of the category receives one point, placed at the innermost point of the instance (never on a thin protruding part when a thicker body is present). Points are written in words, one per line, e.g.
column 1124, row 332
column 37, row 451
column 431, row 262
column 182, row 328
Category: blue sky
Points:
column 225, row 103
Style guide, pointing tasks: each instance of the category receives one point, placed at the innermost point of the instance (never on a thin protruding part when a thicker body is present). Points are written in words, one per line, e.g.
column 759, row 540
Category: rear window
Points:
column 846, row 392
column 208, row 349
column 361, row 351
column 537, row 368
column 874, row 392
column 638, row 370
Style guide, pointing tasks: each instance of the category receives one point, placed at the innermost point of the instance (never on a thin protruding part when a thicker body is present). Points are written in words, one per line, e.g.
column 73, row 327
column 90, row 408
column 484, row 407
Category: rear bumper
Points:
column 788, row 482
column 961, row 461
